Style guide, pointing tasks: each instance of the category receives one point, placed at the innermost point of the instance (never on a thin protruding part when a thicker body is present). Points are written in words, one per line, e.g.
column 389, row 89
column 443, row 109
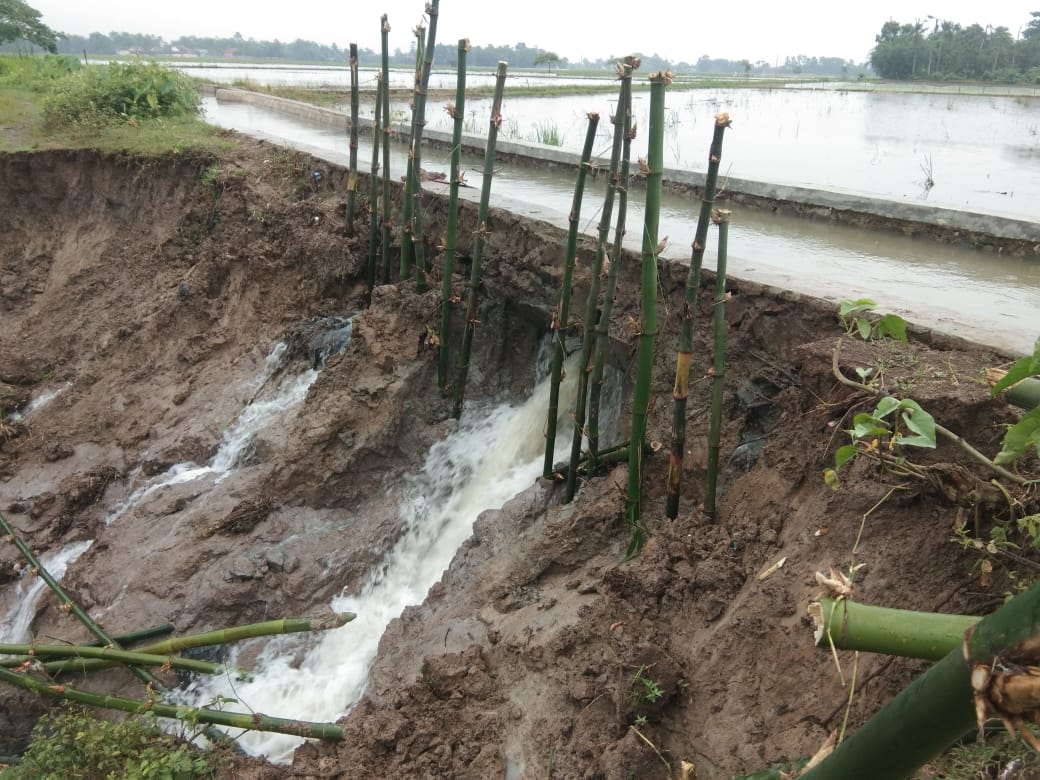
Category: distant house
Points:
column 230, row 52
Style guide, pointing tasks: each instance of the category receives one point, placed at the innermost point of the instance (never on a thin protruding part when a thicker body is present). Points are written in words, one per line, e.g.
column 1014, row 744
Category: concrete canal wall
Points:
column 988, row 232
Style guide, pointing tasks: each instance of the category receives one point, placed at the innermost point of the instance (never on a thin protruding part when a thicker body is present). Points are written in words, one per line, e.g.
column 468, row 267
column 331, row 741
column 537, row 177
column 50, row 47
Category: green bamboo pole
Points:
column 1024, row 394
column 648, row 334
column 610, row 293
column 588, row 340
column 561, row 316
column 373, row 188
column 124, row 657
column 141, row 634
column 937, row 708
column 68, row 605
column 352, row 173
column 457, row 111
column 688, row 317
column 849, row 625
column 387, row 192
column 250, row 722
column 412, row 181
column 478, row 239
column 418, row 229
column 719, row 369
column 224, row 636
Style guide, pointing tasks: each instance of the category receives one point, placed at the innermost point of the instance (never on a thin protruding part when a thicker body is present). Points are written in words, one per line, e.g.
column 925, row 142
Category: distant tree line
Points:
column 519, row 55
column 942, row 49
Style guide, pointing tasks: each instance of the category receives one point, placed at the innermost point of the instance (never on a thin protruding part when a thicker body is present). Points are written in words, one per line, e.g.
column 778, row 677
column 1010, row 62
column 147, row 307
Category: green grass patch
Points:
column 54, row 103
column 69, row 744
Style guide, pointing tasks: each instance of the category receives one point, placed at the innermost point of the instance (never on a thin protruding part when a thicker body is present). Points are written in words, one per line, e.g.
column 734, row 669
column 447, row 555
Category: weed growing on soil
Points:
column 69, row 742
column 120, row 92
column 1003, row 510
column 997, row 757
column 644, row 690
column 55, row 103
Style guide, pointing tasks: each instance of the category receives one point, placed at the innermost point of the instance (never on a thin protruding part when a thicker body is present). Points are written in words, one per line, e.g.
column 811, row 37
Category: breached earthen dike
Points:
column 150, row 290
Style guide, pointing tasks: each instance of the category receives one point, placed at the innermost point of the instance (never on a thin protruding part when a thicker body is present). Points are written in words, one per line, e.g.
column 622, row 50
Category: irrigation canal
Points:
column 984, row 297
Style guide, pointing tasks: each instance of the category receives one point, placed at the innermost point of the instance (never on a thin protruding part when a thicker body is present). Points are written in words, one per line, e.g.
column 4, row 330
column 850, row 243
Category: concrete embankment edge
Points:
column 990, row 232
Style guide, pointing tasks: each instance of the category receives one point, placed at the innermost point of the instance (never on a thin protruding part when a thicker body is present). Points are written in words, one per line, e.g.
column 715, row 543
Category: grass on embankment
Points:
column 54, row 103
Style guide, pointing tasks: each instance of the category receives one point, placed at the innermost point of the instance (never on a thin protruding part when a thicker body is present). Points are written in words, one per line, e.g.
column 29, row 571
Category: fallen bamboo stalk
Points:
column 849, row 625
column 29, row 652
column 221, row 636
column 250, row 722
column 67, row 604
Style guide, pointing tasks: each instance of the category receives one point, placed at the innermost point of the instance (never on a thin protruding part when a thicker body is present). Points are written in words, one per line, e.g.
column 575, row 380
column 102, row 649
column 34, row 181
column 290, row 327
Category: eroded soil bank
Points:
column 147, row 293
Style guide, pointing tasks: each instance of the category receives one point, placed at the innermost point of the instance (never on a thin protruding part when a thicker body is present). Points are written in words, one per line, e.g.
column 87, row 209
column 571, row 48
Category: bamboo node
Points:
column 449, row 109
column 723, row 120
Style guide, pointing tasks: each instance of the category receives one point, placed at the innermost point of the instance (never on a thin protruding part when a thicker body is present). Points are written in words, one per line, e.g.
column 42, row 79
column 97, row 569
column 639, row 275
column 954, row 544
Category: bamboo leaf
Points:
column 1020, row 437
column 920, row 422
column 844, row 455
column 886, row 406
column 892, row 326
column 849, row 307
column 1022, row 369
column 866, row 425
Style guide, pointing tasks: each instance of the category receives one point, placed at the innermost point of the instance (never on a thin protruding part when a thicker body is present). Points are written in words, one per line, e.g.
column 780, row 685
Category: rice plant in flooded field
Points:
column 548, row 133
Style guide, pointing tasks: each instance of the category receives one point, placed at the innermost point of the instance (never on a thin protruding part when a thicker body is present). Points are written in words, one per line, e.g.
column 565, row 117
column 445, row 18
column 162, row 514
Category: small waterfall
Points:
column 237, row 440
column 494, row 454
column 14, row 626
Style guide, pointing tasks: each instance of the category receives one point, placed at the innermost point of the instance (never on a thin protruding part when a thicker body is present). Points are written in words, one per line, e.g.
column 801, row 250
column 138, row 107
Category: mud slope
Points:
column 143, row 296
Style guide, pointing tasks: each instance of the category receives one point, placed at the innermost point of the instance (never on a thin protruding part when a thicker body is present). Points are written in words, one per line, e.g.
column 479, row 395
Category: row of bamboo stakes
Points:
column 603, row 283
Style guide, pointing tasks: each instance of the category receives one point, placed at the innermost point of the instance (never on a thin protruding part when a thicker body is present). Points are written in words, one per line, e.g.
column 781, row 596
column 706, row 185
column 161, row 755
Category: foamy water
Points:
column 237, row 440
column 494, row 454
column 30, row 590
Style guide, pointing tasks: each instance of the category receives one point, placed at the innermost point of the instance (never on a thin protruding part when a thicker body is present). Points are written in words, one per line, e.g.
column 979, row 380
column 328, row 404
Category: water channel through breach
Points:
column 495, row 453
column 988, row 298
column 206, row 392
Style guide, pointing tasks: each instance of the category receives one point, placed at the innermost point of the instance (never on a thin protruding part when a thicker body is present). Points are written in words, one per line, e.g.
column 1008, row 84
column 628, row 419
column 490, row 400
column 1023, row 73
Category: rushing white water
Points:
column 237, row 439
column 494, row 454
column 40, row 401
column 14, row 626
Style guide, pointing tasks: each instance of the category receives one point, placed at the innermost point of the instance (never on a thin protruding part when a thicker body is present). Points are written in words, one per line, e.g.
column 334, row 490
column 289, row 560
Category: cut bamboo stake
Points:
column 719, row 369
column 617, row 251
column 125, row 657
column 411, row 179
column 561, row 315
column 588, row 340
column 387, row 192
column 989, row 673
column 68, row 605
column 478, row 239
column 457, row 112
column 1024, row 394
column 352, row 178
column 648, row 327
column 848, row 625
column 250, row 722
column 688, row 317
column 226, row 636
column 418, row 229
column 373, row 188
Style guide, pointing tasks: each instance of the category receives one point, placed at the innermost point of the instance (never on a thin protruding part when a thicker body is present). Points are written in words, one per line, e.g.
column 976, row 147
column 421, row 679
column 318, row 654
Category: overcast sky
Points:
column 753, row 29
